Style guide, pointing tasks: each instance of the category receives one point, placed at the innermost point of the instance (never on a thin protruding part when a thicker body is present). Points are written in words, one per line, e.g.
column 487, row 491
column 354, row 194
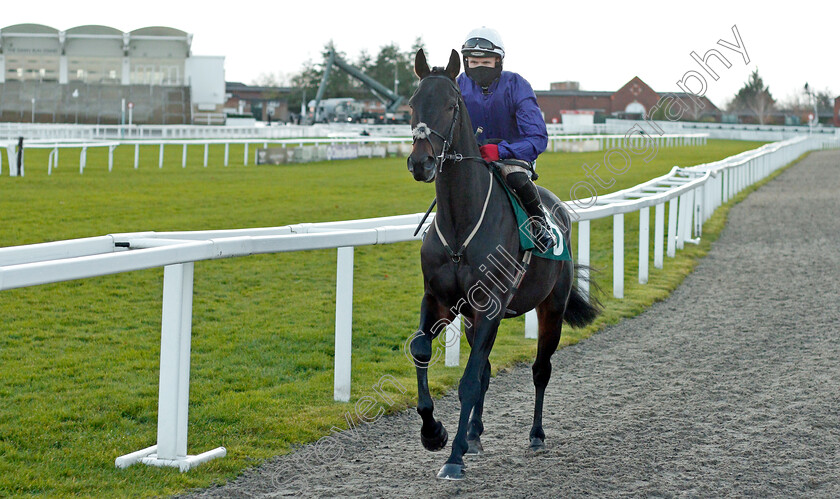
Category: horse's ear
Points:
column 454, row 66
column 421, row 67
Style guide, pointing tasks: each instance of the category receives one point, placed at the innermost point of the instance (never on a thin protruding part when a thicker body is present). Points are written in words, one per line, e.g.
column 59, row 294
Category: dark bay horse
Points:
column 473, row 265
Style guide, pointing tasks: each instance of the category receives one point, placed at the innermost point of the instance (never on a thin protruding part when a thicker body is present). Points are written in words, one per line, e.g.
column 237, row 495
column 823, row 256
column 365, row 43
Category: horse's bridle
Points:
column 422, row 131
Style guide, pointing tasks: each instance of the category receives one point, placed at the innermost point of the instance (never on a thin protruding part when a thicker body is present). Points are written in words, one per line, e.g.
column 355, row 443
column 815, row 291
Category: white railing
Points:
column 726, row 131
column 11, row 131
column 692, row 194
column 396, row 145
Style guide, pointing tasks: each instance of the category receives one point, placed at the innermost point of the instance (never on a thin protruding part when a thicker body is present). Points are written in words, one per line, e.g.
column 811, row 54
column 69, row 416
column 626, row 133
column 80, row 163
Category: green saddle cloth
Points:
column 559, row 251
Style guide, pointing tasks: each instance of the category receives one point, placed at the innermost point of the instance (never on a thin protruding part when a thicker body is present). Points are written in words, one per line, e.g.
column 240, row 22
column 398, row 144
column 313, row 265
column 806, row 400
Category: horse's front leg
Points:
column 470, row 392
column 433, row 319
column 476, row 428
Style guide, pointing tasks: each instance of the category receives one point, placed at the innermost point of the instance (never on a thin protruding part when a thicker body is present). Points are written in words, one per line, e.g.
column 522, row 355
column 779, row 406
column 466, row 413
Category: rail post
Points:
column 531, row 324
column 583, row 258
column 658, row 235
column 618, row 255
column 644, row 244
column 453, row 342
column 343, row 324
column 174, row 389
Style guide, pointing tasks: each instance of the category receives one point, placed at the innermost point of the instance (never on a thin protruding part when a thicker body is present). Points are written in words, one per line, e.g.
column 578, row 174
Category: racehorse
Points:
column 488, row 277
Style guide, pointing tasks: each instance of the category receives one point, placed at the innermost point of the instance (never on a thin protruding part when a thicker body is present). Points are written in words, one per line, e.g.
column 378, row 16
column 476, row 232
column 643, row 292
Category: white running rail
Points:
column 692, row 194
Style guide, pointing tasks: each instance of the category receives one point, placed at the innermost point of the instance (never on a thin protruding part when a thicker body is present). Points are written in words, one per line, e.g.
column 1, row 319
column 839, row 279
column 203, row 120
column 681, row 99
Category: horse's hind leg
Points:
column 432, row 321
column 550, row 314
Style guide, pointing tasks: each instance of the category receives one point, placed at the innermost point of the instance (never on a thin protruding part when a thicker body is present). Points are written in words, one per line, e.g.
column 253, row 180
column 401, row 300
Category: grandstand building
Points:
column 99, row 74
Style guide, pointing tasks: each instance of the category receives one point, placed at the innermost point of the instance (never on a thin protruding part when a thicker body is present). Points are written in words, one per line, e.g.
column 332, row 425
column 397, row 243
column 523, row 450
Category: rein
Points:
column 422, row 131
column 456, row 257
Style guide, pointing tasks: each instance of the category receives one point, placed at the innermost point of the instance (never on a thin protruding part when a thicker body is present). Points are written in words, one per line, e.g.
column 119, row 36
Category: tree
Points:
column 278, row 79
column 755, row 97
column 389, row 64
column 389, row 67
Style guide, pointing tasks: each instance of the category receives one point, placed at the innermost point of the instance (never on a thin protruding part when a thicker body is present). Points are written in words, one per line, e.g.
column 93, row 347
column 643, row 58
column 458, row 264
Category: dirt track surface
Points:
column 731, row 387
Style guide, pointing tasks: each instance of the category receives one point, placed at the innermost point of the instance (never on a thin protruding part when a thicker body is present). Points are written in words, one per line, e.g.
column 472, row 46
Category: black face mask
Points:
column 483, row 75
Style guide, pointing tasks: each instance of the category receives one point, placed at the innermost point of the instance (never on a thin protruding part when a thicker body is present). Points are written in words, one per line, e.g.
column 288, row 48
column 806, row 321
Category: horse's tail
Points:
column 581, row 312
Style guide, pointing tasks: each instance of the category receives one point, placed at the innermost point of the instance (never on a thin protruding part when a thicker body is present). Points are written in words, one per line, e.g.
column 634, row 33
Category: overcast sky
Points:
column 600, row 44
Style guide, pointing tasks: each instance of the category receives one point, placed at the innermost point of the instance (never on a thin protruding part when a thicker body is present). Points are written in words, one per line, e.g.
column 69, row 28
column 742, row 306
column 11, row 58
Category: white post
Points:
column 672, row 228
column 245, row 157
column 681, row 220
column 176, row 333
column 531, row 324
column 618, row 255
column 136, row 156
column 699, row 202
column 174, row 388
column 227, row 153
column 160, row 156
column 343, row 323
column 583, row 257
column 644, row 243
column 452, row 335
column 83, row 160
column 184, row 157
column 49, row 161
column 658, row 234
column 206, row 150
column 111, row 157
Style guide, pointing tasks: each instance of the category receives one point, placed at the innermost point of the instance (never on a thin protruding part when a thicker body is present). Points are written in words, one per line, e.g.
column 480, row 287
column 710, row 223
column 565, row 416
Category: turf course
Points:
column 79, row 360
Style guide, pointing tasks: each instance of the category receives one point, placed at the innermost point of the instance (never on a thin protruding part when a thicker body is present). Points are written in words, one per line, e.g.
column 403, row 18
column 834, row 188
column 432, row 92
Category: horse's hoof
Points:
column 474, row 447
column 436, row 442
column 451, row 472
column 537, row 444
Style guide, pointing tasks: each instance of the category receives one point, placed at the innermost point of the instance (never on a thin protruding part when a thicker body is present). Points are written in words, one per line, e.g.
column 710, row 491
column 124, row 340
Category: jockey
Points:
column 503, row 105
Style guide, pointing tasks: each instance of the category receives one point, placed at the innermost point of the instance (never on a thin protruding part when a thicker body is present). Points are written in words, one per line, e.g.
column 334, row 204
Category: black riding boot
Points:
column 530, row 197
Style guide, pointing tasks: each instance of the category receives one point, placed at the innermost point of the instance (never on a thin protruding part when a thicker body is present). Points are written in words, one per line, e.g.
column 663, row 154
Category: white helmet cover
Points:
column 483, row 42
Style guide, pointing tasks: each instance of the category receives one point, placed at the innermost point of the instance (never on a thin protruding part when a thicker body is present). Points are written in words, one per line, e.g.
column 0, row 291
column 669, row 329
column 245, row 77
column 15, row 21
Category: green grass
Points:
column 79, row 360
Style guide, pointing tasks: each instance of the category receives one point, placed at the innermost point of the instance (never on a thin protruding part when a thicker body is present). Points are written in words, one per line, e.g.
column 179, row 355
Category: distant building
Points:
column 837, row 111
column 261, row 103
column 633, row 101
column 83, row 75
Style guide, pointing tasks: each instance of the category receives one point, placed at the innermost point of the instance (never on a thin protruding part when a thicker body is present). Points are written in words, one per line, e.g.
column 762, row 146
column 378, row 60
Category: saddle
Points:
column 526, row 242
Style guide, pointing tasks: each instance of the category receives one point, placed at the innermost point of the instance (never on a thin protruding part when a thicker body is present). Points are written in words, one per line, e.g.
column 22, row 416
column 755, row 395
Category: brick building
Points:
column 837, row 112
column 632, row 101
column 261, row 102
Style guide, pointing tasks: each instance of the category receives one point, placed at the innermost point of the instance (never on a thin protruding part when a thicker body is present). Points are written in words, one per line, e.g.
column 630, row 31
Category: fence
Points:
column 11, row 131
column 727, row 131
column 322, row 151
column 692, row 194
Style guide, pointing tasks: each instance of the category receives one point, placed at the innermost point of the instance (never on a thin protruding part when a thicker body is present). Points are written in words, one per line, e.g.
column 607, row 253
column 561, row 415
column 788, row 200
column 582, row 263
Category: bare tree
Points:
column 278, row 79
